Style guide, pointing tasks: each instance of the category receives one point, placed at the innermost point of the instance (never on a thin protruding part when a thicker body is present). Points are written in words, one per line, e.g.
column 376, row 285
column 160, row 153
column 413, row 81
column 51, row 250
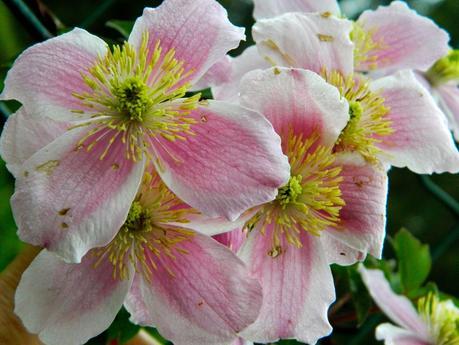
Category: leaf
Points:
column 124, row 27
column 414, row 260
column 121, row 328
column 360, row 298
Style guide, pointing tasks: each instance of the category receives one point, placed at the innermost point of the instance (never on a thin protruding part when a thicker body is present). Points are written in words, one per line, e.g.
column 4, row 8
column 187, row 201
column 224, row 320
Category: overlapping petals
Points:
column 272, row 8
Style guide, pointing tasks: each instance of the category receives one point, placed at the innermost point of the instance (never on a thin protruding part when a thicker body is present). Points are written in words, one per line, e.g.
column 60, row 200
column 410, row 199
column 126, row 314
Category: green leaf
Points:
column 360, row 298
column 124, row 27
column 414, row 260
column 121, row 328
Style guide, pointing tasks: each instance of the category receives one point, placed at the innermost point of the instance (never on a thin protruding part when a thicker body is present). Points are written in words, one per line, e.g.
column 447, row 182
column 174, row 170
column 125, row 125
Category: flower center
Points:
column 368, row 123
column 445, row 70
column 289, row 193
column 310, row 201
column 145, row 238
column 132, row 98
column 134, row 94
column 442, row 319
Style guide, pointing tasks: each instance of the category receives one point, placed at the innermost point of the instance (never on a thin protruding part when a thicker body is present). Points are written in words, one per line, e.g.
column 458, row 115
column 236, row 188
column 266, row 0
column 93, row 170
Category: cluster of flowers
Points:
column 123, row 174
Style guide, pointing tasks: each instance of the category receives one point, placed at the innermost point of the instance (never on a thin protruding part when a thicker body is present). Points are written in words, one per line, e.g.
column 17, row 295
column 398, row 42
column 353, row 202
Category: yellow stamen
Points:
column 310, row 201
column 137, row 93
column 445, row 70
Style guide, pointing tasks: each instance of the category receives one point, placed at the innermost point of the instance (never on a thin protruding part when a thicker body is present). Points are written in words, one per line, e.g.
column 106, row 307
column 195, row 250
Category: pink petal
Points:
column 398, row 336
column 421, row 140
column 208, row 299
column 406, row 39
column 219, row 73
column 232, row 239
column 363, row 218
column 449, row 101
column 249, row 60
column 298, row 100
column 273, row 8
column 338, row 252
column 310, row 41
column 198, row 30
column 23, row 135
column 397, row 308
column 241, row 341
column 44, row 76
column 297, row 289
column 69, row 200
column 232, row 162
column 67, row 304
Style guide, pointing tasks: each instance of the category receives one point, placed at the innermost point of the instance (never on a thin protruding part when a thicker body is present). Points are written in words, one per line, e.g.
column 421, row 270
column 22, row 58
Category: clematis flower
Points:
column 127, row 106
column 443, row 81
column 193, row 289
column 433, row 323
column 393, row 119
column 271, row 8
column 332, row 210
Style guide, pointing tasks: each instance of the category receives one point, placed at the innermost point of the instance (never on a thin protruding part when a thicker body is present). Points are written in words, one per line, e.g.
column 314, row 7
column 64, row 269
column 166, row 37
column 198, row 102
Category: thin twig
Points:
column 446, row 243
column 99, row 11
column 28, row 18
column 440, row 194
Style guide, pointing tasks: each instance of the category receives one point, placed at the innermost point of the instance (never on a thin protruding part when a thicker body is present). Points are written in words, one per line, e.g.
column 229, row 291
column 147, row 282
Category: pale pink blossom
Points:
column 128, row 106
column 272, row 8
column 433, row 323
column 193, row 289
column 332, row 210
column 393, row 119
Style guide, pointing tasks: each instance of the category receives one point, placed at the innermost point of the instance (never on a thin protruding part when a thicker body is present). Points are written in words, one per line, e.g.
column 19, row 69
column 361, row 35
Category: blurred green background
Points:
column 411, row 203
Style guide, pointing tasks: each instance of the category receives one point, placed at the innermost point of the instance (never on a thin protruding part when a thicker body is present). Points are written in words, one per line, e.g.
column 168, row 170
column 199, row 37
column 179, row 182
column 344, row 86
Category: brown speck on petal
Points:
column 64, row 211
column 325, row 38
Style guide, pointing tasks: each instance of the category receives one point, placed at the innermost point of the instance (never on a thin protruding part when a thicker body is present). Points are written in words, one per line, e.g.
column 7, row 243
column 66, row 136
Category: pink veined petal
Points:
column 393, row 335
column 241, row 341
column 449, row 102
column 296, row 100
column 68, row 200
column 232, row 239
column 405, row 39
column 67, row 304
column 273, row 8
column 198, row 30
column 23, row 135
column 249, row 60
column 338, row 252
column 218, row 74
column 397, row 308
column 297, row 289
column 231, row 163
column 363, row 218
column 208, row 299
column 421, row 139
column 306, row 40
column 44, row 76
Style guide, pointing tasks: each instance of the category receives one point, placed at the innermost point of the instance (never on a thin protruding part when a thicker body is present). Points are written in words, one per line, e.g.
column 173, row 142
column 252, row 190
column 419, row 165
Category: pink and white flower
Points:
column 393, row 119
column 442, row 79
column 434, row 323
column 193, row 289
column 271, row 8
column 332, row 210
column 127, row 106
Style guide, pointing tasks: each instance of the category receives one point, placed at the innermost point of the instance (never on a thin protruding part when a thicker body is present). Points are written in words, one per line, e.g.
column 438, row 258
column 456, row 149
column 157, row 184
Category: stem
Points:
column 446, row 243
column 440, row 194
column 28, row 18
column 94, row 16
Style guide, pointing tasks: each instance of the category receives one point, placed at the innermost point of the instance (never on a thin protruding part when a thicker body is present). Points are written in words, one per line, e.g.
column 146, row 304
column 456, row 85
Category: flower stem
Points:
column 440, row 194
column 26, row 16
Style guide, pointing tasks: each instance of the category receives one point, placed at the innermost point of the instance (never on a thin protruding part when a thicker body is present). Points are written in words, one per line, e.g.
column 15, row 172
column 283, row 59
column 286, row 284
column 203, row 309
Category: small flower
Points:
column 434, row 323
column 332, row 210
column 193, row 289
column 443, row 80
column 130, row 105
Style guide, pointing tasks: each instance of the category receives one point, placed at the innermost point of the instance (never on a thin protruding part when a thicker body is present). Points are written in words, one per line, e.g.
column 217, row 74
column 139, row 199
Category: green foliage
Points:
column 121, row 328
column 124, row 27
column 413, row 259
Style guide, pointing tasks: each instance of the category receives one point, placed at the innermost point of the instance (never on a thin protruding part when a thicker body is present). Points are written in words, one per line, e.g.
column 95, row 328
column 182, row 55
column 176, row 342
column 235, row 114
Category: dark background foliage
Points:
column 414, row 203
